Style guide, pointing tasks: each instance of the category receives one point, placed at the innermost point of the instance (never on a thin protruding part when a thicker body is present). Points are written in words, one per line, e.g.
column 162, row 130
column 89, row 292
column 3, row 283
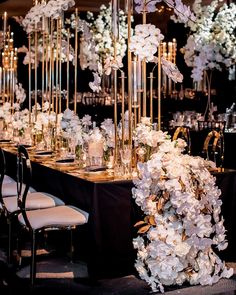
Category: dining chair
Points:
column 213, row 147
column 184, row 133
column 9, row 200
column 60, row 218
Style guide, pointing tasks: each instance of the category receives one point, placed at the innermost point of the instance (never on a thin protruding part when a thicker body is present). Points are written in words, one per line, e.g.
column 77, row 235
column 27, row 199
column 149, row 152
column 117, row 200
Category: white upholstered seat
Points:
column 10, row 189
column 35, row 200
column 61, row 216
column 8, row 179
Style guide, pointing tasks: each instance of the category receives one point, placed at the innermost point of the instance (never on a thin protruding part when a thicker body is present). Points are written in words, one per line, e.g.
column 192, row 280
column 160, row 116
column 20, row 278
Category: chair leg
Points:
column 9, row 240
column 71, row 246
column 19, row 245
column 33, row 259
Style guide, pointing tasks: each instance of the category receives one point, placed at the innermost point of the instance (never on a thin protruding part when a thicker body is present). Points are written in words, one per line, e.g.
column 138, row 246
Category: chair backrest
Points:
column 184, row 133
column 211, row 125
column 213, row 147
column 24, row 175
column 2, row 173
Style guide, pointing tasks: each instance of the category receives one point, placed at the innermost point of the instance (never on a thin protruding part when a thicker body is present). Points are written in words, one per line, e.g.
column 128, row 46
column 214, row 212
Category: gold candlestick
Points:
column 57, row 69
column 151, row 96
column 159, row 88
column 1, row 84
column 123, row 107
column 129, row 16
column 50, row 65
column 60, row 67
column 76, row 55
column 115, row 106
column 36, row 72
column 43, row 68
column 29, row 74
column 144, row 74
column 68, row 68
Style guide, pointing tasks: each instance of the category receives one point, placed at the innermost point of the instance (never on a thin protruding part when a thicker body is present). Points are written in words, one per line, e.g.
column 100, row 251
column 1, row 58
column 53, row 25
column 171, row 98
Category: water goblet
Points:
column 126, row 156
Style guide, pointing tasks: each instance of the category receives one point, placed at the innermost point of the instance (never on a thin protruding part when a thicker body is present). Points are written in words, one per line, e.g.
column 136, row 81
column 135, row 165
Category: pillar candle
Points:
column 115, row 18
column 4, row 24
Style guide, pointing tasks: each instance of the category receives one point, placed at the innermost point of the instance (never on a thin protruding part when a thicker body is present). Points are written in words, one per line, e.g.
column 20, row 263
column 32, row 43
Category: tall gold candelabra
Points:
column 8, row 68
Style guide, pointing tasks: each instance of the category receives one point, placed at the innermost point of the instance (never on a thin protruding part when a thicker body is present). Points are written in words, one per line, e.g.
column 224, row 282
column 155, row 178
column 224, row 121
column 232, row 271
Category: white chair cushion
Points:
column 36, row 200
column 9, row 189
column 8, row 179
column 61, row 216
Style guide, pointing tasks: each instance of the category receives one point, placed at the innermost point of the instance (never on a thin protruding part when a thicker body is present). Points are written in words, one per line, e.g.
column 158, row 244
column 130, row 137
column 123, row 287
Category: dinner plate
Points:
column 27, row 146
column 43, row 155
column 95, row 170
column 65, row 162
column 5, row 140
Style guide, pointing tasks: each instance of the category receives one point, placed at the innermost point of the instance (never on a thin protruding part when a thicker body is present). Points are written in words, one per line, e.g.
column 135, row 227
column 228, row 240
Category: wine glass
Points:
column 126, row 155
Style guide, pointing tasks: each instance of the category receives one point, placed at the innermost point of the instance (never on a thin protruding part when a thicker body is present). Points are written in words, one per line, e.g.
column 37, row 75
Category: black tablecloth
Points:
column 107, row 240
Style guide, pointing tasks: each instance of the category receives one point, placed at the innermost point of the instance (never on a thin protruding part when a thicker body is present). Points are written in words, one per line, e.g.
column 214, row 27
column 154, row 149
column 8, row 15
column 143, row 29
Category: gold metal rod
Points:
column 43, row 68
column 159, row 87
column 151, row 96
column 10, row 89
column 36, row 72
column 139, row 106
column 29, row 77
column 60, row 67
column 76, row 59
column 50, row 65
column 4, row 84
column 144, row 74
column 53, row 80
column 123, row 107
column 57, row 69
column 115, row 105
column 8, row 80
column 129, row 16
column 1, row 84
column 12, row 86
column 68, row 69
column 46, row 67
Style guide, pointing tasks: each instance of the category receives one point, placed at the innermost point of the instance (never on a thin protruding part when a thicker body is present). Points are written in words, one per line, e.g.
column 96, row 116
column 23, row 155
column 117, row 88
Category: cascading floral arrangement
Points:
column 182, row 224
column 211, row 43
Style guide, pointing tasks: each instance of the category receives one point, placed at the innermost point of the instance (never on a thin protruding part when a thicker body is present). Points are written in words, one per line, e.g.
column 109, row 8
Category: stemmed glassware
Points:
column 126, row 156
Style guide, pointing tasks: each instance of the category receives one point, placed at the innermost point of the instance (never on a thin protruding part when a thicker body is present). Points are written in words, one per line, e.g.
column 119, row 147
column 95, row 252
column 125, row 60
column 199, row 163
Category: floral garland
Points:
column 182, row 221
column 212, row 42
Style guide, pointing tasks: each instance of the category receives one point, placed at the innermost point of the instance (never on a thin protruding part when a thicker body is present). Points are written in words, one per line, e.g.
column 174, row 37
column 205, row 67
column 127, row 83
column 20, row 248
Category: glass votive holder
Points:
column 96, row 161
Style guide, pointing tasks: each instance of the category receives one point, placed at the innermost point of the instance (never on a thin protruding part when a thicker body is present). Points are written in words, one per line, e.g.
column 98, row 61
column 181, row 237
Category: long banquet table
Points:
column 106, row 241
